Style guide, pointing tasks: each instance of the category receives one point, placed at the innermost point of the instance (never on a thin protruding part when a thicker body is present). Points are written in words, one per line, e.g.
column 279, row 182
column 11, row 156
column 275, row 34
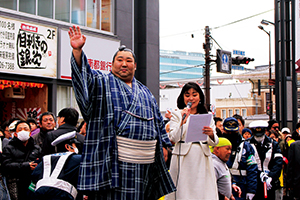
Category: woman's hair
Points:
column 180, row 100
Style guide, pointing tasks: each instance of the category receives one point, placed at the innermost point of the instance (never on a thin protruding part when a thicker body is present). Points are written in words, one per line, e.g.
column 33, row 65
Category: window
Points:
column 66, row 98
column 78, row 12
column 62, row 10
column 93, row 14
column 45, row 8
column 230, row 112
column 223, row 114
column 106, row 15
column 27, row 6
column 244, row 113
column 10, row 4
column 96, row 14
column 237, row 111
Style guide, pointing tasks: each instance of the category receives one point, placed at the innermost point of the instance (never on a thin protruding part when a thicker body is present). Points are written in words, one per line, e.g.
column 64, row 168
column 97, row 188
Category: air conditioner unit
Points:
column 15, row 93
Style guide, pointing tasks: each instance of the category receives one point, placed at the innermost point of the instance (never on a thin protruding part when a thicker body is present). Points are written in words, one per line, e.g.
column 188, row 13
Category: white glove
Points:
column 263, row 176
column 268, row 181
column 250, row 196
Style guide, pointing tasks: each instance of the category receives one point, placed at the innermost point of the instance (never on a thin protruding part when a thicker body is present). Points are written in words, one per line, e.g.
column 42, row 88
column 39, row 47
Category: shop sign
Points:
column 99, row 52
column 27, row 48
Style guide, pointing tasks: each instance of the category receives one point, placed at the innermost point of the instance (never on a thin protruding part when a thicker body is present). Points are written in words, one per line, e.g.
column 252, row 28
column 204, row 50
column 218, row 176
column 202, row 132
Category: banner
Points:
column 27, row 48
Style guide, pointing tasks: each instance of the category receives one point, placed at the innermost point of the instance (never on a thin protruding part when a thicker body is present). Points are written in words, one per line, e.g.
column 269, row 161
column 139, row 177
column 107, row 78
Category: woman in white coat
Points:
column 191, row 167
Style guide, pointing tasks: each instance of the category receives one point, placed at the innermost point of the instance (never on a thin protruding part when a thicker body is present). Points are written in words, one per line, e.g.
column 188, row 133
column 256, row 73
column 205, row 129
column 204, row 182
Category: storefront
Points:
column 35, row 64
column 35, row 51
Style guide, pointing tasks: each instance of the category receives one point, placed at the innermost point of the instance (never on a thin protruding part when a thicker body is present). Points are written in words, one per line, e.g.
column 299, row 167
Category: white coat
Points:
column 194, row 167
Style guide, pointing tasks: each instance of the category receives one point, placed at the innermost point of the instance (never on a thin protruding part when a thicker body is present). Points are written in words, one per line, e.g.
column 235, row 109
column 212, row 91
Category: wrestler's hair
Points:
column 124, row 48
column 180, row 100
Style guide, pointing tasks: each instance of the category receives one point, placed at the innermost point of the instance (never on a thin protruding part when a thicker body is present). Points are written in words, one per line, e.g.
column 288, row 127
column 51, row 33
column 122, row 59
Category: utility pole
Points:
column 206, row 47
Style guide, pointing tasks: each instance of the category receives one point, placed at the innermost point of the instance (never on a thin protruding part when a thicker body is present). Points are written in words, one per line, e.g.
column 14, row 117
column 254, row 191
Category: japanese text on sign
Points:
column 27, row 48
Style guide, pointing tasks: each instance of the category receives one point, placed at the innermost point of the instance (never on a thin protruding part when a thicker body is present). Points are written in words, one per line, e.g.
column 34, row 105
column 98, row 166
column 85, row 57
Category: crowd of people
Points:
column 124, row 149
column 24, row 144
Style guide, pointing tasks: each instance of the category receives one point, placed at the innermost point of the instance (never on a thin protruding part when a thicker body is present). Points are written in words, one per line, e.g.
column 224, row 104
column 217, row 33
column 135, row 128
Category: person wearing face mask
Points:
column 268, row 158
column 63, row 167
column 19, row 160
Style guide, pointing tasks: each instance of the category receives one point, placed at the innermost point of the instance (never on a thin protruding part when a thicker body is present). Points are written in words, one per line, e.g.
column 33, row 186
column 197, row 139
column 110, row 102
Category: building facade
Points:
column 35, row 51
column 180, row 65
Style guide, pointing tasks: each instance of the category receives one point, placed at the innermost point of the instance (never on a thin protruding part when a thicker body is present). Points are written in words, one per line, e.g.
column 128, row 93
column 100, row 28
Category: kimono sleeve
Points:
column 85, row 83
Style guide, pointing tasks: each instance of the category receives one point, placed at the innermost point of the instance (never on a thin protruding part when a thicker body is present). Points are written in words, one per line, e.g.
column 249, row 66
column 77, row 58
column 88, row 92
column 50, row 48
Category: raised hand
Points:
column 77, row 39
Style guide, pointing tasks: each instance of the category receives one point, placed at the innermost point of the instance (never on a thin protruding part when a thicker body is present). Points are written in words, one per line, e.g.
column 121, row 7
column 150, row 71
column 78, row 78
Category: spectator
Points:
column 269, row 159
column 67, row 121
column 221, row 154
column 34, row 126
column 241, row 163
column 1, row 134
column 246, row 133
column 82, row 128
column 284, row 132
column 66, row 164
column 18, row 161
column 273, row 125
column 296, row 133
column 241, row 121
column 47, row 123
column 274, row 135
column 219, row 124
column 4, row 126
column 191, row 162
column 293, row 173
column 11, row 130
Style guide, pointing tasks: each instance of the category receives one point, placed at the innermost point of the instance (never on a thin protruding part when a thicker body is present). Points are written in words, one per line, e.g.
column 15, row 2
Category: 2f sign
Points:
column 51, row 34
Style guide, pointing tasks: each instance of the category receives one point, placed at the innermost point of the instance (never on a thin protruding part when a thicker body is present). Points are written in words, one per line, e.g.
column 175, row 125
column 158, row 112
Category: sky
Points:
column 179, row 19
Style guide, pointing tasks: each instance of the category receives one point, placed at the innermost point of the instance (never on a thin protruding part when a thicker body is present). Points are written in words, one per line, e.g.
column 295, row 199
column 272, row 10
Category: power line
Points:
column 181, row 69
column 190, row 32
column 242, row 19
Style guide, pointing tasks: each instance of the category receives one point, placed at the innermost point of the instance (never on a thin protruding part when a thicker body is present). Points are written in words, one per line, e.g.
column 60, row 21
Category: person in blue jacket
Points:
column 269, row 160
column 56, row 176
column 242, row 163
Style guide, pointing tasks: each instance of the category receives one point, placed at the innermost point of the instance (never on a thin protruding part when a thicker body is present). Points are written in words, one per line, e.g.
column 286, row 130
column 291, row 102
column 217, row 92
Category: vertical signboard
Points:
column 27, row 48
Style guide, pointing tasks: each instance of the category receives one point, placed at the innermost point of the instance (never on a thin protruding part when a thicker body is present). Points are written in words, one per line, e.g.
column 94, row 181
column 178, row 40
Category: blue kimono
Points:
column 110, row 108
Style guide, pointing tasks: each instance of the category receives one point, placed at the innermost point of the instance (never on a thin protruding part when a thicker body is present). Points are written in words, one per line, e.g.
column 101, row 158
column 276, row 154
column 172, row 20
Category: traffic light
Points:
column 241, row 60
column 268, row 108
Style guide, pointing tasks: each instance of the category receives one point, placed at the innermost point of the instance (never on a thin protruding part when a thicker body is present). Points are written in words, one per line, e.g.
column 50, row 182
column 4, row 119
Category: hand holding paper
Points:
column 199, row 128
column 207, row 130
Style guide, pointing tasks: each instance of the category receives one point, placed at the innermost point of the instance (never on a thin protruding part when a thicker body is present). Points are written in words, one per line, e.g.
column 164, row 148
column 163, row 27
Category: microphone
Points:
column 189, row 104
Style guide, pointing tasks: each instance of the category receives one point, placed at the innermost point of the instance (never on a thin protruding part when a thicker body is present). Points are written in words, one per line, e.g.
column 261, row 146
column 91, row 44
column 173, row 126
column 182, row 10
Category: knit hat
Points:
column 246, row 130
column 222, row 143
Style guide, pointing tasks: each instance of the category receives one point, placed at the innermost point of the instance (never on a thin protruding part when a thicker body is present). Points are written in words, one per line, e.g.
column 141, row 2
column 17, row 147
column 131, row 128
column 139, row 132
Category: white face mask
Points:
column 75, row 149
column 259, row 139
column 23, row 135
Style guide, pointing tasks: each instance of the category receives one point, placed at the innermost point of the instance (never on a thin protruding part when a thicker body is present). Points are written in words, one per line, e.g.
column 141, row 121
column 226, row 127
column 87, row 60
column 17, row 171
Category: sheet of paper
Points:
column 196, row 124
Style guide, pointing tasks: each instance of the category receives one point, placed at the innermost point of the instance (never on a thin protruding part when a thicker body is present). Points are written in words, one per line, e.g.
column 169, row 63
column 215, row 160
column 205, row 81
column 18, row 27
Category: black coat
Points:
column 293, row 172
column 15, row 162
column 52, row 135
